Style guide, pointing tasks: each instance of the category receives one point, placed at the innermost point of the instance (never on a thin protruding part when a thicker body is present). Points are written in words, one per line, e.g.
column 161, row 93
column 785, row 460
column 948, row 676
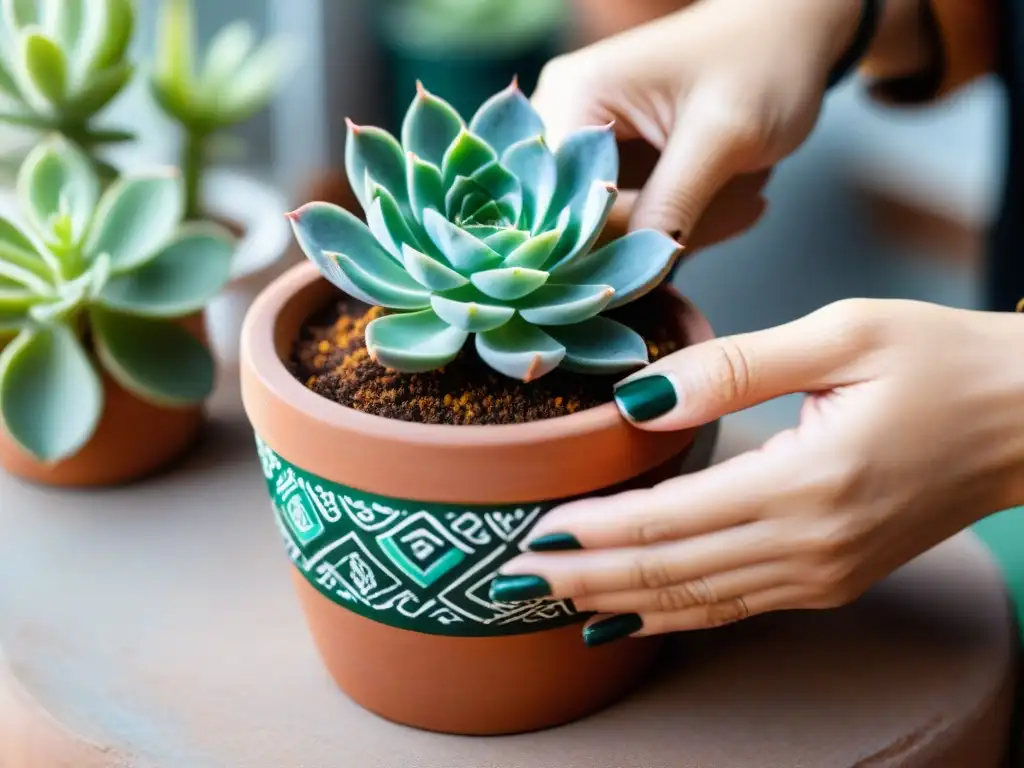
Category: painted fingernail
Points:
column 555, row 542
column 514, row 589
column 611, row 629
column 647, row 398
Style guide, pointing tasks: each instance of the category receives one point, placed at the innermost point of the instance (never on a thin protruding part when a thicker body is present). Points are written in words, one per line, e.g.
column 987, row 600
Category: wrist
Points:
column 1006, row 395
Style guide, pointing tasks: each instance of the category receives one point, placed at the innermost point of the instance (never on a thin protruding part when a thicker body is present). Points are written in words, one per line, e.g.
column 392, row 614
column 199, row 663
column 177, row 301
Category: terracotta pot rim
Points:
column 260, row 353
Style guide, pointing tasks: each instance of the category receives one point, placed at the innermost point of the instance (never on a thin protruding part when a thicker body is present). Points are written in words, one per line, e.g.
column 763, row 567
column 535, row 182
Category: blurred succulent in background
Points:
column 482, row 229
column 206, row 94
column 62, row 62
column 99, row 280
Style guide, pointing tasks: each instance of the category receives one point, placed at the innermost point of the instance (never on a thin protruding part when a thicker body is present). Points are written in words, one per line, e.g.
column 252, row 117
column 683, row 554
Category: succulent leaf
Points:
column 471, row 316
column 509, row 283
column 466, row 155
column 577, row 241
column 520, row 350
column 535, row 252
column 256, row 82
column 633, row 265
column 375, row 153
column 505, row 241
column 465, row 252
column 45, row 65
column 17, row 249
column 180, row 280
column 377, row 287
column 431, row 274
column 430, row 127
column 99, row 90
column 502, row 249
column 534, row 165
column 600, row 346
column 387, row 224
column 228, row 51
column 20, row 13
column 175, row 60
column 157, row 360
column 134, row 218
column 588, row 155
column 324, row 230
column 41, row 371
column 107, row 28
column 426, row 189
column 414, row 342
column 506, row 118
column 565, row 304
column 57, row 179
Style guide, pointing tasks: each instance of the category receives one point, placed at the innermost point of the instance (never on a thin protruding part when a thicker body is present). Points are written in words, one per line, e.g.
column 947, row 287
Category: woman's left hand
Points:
column 913, row 428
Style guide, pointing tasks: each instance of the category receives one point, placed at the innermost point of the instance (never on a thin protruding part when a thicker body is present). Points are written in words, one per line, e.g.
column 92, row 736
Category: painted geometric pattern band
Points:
column 422, row 567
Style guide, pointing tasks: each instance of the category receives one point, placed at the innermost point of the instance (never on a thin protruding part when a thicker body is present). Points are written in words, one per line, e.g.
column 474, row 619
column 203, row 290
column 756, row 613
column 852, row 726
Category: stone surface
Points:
column 157, row 622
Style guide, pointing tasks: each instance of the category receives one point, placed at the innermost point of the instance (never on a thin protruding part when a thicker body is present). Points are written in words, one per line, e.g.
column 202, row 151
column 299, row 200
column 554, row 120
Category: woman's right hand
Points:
column 722, row 89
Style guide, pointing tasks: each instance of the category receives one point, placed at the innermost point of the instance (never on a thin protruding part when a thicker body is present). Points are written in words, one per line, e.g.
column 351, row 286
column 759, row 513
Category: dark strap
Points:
column 869, row 18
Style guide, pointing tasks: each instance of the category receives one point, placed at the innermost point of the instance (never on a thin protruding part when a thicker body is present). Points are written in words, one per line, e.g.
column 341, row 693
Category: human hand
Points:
column 913, row 429
column 722, row 90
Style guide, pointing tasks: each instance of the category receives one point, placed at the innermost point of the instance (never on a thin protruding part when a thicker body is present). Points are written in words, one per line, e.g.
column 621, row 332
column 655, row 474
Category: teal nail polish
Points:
column 555, row 542
column 515, row 589
column 647, row 398
column 611, row 629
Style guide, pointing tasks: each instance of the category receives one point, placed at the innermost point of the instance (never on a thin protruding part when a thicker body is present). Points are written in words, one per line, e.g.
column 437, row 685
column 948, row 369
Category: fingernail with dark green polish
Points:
column 647, row 398
column 515, row 589
column 611, row 629
column 555, row 542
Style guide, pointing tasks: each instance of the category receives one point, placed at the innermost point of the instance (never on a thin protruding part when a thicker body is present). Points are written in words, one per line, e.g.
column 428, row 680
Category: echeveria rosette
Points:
column 483, row 230
column 99, row 280
column 62, row 62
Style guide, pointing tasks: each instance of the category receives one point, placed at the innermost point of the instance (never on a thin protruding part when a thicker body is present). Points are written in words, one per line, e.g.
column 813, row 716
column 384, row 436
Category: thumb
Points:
column 699, row 159
column 702, row 383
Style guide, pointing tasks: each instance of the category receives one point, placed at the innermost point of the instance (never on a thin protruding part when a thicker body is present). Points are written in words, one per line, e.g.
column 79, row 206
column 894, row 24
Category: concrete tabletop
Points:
column 154, row 626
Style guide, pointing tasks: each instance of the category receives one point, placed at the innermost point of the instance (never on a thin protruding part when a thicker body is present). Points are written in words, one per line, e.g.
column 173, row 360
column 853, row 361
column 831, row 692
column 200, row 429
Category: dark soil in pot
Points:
column 331, row 359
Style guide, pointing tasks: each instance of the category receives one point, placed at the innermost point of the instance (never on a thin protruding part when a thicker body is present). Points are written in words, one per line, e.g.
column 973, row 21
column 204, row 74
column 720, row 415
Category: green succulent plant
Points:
column 233, row 81
column 62, row 62
column 96, row 282
column 482, row 229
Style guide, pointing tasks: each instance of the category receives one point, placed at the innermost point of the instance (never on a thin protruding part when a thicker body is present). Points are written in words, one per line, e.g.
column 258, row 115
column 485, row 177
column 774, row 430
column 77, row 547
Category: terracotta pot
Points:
column 397, row 529
column 134, row 439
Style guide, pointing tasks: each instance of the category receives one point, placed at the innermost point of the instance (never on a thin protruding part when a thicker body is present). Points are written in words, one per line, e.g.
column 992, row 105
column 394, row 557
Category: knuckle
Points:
column 684, row 596
column 730, row 373
column 649, row 574
column 648, row 532
column 855, row 324
column 726, row 612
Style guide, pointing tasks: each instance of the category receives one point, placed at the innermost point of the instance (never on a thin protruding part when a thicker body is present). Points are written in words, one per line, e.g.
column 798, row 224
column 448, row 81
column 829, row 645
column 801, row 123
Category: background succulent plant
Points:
column 483, row 229
column 98, row 280
column 205, row 94
column 62, row 62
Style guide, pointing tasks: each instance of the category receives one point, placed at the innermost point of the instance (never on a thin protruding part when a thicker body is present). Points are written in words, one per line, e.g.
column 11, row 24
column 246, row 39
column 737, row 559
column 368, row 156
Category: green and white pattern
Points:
column 412, row 565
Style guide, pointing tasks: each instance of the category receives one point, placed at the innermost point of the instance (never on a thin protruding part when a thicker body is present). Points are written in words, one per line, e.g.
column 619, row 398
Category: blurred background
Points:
column 878, row 203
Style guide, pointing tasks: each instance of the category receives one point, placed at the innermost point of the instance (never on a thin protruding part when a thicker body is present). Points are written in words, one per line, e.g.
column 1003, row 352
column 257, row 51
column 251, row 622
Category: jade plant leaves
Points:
column 59, row 188
column 41, row 372
column 482, row 229
column 45, row 65
column 106, row 270
column 134, row 218
column 157, row 360
column 181, row 279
